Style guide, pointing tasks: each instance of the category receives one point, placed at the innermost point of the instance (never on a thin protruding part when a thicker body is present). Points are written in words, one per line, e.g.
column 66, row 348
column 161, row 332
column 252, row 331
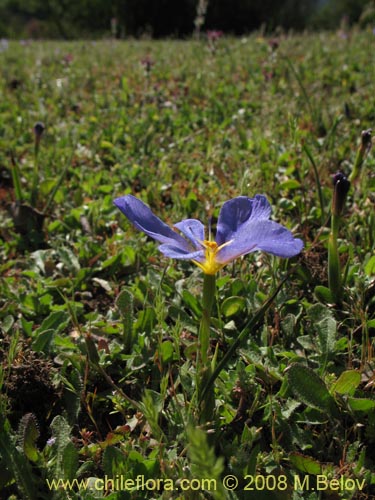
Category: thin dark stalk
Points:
column 317, row 180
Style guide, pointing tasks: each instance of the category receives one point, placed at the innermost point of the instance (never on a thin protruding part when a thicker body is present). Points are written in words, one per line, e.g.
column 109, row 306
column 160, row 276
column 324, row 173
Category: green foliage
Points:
column 15, row 462
column 98, row 331
column 28, row 433
column 65, row 457
column 310, row 389
column 113, row 461
column 124, row 303
column 203, row 462
column 325, row 325
column 152, row 405
column 347, row 383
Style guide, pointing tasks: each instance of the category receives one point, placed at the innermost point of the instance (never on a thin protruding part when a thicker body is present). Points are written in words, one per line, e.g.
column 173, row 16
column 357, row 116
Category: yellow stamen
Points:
column 210, row 265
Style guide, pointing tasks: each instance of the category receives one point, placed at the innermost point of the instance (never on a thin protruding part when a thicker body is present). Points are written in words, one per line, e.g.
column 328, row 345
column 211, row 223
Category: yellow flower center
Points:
column 210, row 265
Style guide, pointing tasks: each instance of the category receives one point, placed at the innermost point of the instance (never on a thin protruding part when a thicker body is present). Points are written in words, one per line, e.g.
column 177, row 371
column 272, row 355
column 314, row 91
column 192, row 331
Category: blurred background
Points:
column 70, row 19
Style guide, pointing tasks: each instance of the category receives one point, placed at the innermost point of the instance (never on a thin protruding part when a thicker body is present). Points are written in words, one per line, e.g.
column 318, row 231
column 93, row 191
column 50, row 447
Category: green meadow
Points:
column 99, row 332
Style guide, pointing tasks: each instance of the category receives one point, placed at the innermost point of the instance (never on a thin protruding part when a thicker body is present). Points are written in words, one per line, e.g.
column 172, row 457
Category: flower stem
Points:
column 340, row 191
column 206, row 406
column 362, row 152
column 16, row 179
column 334, row 271
column 209, row 284
column 34, row 187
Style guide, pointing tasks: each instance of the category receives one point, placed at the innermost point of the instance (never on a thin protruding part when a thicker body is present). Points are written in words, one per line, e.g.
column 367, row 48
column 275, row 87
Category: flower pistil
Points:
column 211, row 265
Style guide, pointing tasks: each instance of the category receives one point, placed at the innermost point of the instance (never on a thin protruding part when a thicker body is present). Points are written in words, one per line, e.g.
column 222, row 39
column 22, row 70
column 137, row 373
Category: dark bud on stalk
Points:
column 14, row 84
column 364, row 148
column 147, row 63
column 274, row 44
column 366, row 140
column 340, row 190
column 38, row 131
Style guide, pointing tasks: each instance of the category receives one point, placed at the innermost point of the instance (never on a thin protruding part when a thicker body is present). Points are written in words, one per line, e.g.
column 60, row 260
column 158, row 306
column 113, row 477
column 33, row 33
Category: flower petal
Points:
column 264, row 235
column 141, row 216
column 239, row 211
column 192, row 229
column 175, row 252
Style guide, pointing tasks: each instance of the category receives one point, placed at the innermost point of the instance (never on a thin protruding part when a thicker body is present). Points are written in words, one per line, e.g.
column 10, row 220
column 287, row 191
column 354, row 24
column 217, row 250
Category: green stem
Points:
column 335, row 224
column 357, row 166
column 209, row 285
column 16, row 180
column 34, row 188
column 334, row 272
column 206, row 404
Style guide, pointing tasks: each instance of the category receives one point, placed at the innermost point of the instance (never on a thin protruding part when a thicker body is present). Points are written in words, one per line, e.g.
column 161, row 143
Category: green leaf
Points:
column 370, row 267
column 327, row 335
column 290, row 184
column 7, row 323
column 91, row 349
column 305, row 464
column 288, row 325
column 61, row 433
column 42, row 341
column 309, row 388
column 146, row 321
column 192, row 302
column 111, row 261
column 232, row 306
column 135, row 456
column 204, row 462
column 325, row 325
column 56, row 321
column 124, row 303
column 323, row 294
column 27, row 326
column 103, row 283
column 151, row 466
column 17, row 462
column 28, row 434
column 73, row 387
column 106, row 145
column 69, row 259
column 167, row 351
column 361, row 404
column 64, row 342
column 70, row 461
column 114, row 461
column 347, row 382
column 152, row 405
column 6, row 476
column 46, row 186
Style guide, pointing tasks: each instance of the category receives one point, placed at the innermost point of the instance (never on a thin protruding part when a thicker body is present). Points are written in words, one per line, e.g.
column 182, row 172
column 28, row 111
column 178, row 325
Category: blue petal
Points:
column 239, row 211
column 192, row 229
column 264, row 235
column 175, row 252
column 143, row 219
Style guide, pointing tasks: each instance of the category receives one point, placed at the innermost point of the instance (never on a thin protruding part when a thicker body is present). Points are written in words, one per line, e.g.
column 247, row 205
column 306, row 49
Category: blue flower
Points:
column 243, row 226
